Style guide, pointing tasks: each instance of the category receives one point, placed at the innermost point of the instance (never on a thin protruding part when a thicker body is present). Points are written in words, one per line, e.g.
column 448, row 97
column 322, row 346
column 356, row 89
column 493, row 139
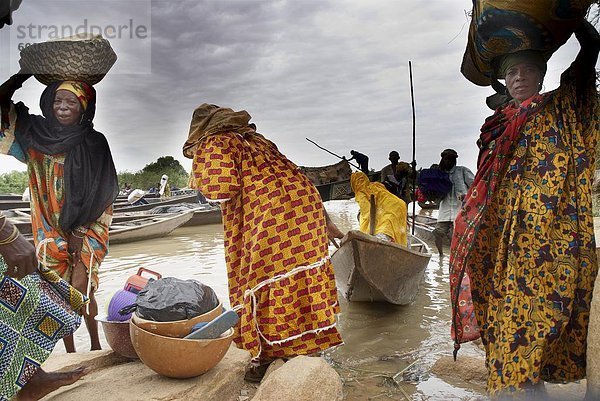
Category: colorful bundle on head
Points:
column 500, row 27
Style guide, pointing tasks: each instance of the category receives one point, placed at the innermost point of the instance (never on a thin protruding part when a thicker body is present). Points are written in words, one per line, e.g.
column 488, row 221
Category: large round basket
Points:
column 85, row 59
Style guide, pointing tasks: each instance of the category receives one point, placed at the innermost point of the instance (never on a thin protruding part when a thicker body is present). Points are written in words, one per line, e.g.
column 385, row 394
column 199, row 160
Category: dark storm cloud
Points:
column 334, row 71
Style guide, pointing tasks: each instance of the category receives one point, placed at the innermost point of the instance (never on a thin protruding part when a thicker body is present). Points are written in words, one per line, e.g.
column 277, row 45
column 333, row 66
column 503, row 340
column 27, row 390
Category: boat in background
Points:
column 10, row 197
column 7, row 204
column 333, row 181
column 368, row 269
column 147, row 228
column 424, row 226
column 125, row 228
column 154, row 202
column 203, row 213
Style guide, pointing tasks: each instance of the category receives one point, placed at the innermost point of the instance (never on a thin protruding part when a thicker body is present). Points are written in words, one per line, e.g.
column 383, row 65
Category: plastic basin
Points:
column 118, row 337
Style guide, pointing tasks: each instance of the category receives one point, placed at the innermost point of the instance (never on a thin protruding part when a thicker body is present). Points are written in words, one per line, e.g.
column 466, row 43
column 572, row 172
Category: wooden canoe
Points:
column 424, row 226
column 146, row 228
column 339, row 171
column 204, row 217
column 10, row 197
column 368, row 269
column 170, row 201
column 341, row 189
column 142, row 228
column 13, row 204
column 333, row 181
column 203, row 213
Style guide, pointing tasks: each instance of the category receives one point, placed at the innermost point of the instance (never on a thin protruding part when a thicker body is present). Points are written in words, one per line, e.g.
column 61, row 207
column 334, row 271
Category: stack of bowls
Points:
column 177, row 328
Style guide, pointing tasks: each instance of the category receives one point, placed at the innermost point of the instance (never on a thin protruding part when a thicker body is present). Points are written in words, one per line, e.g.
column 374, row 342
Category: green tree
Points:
column 14, row 182
column 150, row 175
column 164, row 163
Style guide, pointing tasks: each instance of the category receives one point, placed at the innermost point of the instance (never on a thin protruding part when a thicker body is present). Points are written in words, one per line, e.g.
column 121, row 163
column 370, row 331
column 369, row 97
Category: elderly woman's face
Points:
column 67, row 108
column 523, row 81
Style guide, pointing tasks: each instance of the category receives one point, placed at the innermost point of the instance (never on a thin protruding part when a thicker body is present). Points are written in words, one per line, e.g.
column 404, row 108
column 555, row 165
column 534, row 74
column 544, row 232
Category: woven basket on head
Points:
column 79, row 58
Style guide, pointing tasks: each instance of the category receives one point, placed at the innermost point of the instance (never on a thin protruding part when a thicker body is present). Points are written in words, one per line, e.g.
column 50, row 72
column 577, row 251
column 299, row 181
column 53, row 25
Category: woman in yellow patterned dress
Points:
column 276, row 247
column 525, row 234
column 72, row 181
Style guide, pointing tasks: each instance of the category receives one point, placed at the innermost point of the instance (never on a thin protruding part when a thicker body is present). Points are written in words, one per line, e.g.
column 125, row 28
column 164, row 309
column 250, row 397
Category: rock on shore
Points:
column 114, row 379
column 301, row 378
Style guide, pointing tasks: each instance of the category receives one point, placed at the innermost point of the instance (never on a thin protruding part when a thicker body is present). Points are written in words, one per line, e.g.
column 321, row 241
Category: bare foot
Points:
column 43, row 383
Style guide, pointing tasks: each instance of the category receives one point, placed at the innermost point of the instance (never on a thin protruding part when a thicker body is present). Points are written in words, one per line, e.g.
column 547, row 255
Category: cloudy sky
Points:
column 335, row 71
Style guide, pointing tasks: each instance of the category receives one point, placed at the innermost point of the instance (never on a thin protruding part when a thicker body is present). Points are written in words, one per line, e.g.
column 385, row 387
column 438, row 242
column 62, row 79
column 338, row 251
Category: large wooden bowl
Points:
column 178, row 358
column 177, row 328
column 117, row 337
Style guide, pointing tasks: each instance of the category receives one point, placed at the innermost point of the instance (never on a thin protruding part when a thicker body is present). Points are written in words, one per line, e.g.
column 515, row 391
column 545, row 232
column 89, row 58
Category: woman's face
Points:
column 67, row 108
column 523, row 81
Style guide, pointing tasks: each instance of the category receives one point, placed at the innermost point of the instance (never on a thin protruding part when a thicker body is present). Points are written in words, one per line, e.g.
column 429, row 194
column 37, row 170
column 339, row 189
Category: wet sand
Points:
column 380, row 339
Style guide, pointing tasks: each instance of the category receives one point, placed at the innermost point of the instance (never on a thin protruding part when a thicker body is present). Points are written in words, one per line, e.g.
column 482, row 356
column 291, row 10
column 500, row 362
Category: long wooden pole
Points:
column 414, row 145
column 372, row 214
column 330, row 152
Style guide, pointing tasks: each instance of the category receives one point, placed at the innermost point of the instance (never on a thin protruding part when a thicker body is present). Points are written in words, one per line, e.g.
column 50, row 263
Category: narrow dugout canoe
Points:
column 170, row 201
column 146, row 228
column 368, row 269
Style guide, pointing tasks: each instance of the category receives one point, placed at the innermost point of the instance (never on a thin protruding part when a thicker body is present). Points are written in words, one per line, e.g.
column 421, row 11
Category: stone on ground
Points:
column 301, row 378
column 133, row 381
column 466, row 368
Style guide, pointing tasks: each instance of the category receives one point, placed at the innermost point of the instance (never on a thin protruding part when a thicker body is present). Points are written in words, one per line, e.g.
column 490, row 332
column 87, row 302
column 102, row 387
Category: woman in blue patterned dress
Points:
column 29, row 299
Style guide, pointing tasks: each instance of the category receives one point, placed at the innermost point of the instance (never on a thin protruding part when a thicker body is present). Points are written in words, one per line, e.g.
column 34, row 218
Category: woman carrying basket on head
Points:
column 72, row 180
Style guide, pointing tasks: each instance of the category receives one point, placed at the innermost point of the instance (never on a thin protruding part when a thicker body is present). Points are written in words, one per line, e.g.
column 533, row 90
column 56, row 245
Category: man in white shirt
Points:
column 461, row 178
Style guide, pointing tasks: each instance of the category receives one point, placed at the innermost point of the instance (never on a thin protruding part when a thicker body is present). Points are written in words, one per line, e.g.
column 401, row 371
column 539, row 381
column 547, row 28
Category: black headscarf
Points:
column 90, row 179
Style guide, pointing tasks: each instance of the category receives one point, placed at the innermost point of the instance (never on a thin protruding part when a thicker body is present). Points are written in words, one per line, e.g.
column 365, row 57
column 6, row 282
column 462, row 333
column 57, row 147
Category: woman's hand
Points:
column 20, row 257
column 8, row 88
column 74, row 248
column 79, row 278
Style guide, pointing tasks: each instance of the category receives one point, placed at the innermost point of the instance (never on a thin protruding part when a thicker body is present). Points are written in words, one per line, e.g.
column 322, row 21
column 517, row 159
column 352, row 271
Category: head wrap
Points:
column 502, row 64
column 209, row 119
column 449, row 153
column 90, row 178
column 84, row 92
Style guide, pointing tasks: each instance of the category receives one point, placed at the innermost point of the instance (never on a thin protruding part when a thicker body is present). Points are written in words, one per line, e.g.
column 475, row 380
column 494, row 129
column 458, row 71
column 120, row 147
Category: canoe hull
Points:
column 424, row 226
column 205, row 217
column 169, row 201
column 368, row 269
column 154, row 228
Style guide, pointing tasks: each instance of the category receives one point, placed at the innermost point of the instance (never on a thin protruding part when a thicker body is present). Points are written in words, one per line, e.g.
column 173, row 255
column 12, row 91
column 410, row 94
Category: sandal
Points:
column 256, row 373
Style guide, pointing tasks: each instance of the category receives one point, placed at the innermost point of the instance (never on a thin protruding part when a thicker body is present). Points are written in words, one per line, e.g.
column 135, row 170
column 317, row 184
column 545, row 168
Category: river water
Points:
column 380, row 339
